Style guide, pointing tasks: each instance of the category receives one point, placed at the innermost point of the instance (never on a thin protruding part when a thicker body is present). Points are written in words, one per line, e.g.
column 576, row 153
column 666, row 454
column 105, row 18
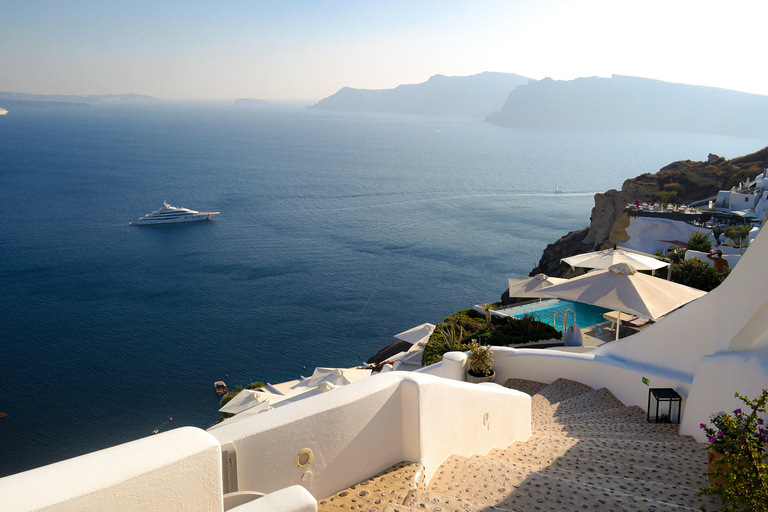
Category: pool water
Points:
column 545, row 311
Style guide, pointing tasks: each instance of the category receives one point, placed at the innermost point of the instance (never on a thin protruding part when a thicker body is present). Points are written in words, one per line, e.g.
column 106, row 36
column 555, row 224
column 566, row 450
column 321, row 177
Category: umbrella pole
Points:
column 618, row 324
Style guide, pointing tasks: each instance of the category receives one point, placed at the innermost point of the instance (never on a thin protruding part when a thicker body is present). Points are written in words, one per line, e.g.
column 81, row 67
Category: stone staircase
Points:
column 587, row 451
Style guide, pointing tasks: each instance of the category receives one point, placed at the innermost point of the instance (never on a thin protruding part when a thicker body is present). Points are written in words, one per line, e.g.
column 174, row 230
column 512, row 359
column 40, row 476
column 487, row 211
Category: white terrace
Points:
column 570, row 435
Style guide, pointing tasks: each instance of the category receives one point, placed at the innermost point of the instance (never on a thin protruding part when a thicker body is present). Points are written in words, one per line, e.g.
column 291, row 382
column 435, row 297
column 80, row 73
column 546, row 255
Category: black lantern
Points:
column 660, row 405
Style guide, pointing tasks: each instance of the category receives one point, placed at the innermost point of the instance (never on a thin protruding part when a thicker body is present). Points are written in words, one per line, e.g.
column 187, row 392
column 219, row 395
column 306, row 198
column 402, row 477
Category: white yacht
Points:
column 172, row 214
column 3, row 111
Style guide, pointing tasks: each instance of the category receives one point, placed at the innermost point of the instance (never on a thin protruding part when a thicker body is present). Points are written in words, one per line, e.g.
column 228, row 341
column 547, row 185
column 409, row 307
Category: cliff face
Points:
column 691, row 181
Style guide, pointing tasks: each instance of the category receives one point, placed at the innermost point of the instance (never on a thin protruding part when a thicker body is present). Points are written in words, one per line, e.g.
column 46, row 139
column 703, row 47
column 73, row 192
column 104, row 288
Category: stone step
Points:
column 617, row 413
column 563, row 389
column 587, row 403
column 679, row 445
column 626, row 422
column 693, row 480
column 687, row 457
column 436, row 502
column 637, row 481
column 616, row 430
column 530, row 387
column 495, row 484
column 373, row 494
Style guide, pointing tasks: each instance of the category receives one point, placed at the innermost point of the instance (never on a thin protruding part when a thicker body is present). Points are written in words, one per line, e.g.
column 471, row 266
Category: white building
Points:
column 748, row 198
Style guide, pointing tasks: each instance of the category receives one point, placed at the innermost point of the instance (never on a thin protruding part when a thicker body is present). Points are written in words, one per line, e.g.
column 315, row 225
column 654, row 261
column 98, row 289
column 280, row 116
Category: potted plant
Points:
column 738, row 461
column 480, row 363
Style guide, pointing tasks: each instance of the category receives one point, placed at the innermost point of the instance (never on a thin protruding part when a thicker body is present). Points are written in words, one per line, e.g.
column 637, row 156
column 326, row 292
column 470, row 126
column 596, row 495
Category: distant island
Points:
column 25, row 100
column 628, row 103
column 251, row 101
column 471, row 96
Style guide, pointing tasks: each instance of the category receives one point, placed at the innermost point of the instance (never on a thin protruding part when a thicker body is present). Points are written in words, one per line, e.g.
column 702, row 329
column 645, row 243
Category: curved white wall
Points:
column 624, row 380
column 176, row 470
column 717, row 379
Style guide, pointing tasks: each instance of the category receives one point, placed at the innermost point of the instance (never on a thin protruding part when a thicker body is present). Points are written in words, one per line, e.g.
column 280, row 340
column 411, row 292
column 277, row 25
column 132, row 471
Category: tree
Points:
column 665, row 196
column 739, row 234
column 487, row 307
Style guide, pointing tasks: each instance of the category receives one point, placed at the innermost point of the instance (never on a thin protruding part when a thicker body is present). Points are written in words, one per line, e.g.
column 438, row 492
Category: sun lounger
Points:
column 629, row 321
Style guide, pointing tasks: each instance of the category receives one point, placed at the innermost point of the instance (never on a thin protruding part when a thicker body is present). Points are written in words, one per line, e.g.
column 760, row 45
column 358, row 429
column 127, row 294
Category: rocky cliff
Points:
column 690, row 181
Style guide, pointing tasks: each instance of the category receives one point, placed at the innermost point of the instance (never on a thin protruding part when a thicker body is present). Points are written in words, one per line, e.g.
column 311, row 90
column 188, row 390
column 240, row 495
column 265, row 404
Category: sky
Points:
column 307, row 50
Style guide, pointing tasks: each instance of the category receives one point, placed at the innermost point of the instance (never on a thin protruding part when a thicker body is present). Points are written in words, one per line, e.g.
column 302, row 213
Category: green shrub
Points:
column 699, row 242
column 740, row 475
column 517, row 331
column 445, row 338
column 255, row 385
column 226, row 398
column 506, row 331
column 433, row 352
column 468, row 319
column 697, row 274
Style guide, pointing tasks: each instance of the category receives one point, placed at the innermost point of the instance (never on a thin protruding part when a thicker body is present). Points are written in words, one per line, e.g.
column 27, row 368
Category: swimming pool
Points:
column 545, row 311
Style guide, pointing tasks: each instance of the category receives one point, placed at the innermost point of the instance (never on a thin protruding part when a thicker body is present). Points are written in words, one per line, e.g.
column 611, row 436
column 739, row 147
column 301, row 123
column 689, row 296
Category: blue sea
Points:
column 337, row 231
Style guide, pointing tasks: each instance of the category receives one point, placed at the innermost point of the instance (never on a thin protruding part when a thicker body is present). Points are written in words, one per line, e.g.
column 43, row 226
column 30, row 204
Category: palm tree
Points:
column 487, row 307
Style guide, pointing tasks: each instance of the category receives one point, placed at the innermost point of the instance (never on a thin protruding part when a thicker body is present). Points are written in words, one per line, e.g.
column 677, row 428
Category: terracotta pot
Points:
column 475, row 380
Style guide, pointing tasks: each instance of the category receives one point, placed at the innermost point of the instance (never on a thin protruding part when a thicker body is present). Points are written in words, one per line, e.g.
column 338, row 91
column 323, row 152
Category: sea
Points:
column 337, row 231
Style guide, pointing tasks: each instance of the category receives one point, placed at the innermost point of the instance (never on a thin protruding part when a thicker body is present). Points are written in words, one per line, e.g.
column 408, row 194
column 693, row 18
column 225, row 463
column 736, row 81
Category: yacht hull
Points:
column 189, row 218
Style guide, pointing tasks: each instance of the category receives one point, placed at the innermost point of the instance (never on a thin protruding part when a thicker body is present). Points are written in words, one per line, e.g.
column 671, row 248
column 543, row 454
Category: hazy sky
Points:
column 297, row 49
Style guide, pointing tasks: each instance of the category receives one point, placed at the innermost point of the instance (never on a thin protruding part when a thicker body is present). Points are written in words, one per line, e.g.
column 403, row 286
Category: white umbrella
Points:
column 605, row 259
column 336, row 376
column 416, row 334
column 529, row 286
column 246, row 400
column 624, row 289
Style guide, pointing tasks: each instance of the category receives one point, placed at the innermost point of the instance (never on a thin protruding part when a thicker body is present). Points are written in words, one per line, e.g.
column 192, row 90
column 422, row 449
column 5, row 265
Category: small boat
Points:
column 557, row 189
column 220, row 387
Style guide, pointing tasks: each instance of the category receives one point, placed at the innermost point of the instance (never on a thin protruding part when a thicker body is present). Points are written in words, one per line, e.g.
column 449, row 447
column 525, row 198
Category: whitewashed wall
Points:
column 176, row 470
column 623, row 379
column 717, row 379
column 361, row 429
